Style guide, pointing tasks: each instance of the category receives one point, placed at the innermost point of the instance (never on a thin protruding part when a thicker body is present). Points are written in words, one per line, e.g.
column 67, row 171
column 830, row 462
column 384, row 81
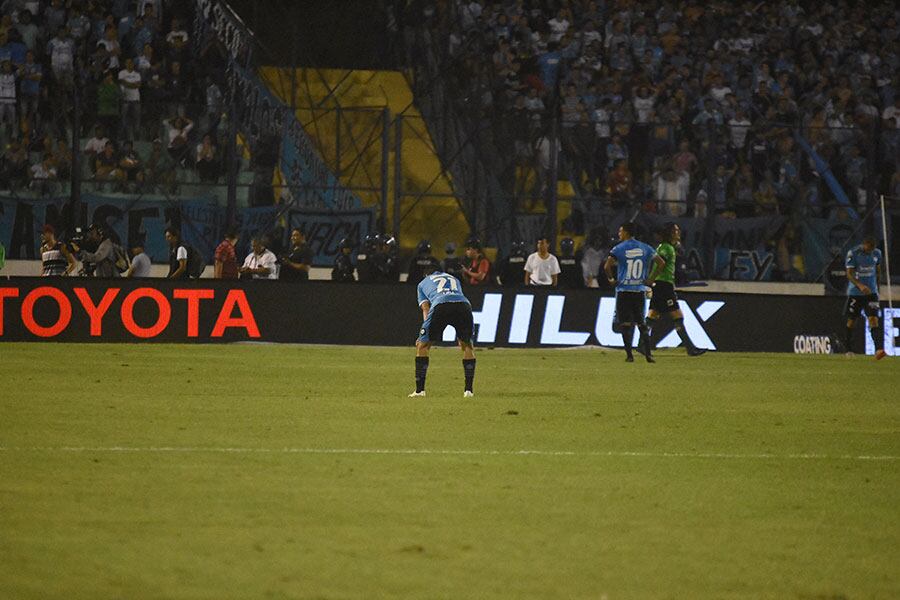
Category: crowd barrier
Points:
column 85, row 310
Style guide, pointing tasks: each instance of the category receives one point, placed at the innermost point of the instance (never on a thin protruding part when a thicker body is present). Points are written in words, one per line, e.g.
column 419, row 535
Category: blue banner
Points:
column 324, row 230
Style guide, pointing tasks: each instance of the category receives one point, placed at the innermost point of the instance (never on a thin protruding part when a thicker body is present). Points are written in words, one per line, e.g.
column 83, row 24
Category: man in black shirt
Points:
column 510, row 268
column 295, row 266
column 365, row 259
column 422, row 264
column 570, row 275
column 452, row 263
column 343, row 264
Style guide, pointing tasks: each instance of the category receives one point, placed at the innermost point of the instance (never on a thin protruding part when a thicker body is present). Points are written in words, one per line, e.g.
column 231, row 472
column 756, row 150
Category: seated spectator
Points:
column 130, row 163
column 43, row 174
column 260, row 263
column 96, row 144
column 208, row 161
column 177, row 130
column 159, row 168
column 106, row 165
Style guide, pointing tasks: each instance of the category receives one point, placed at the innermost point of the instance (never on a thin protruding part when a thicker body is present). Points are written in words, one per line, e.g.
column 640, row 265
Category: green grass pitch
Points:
column 256, row 471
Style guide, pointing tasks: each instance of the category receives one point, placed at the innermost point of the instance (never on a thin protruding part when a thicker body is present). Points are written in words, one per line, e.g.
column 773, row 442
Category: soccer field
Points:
column 254, row 471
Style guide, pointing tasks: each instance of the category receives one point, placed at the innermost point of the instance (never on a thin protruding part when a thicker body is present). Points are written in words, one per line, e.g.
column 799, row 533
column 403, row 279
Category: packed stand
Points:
column 682, row 108
column 122, row 77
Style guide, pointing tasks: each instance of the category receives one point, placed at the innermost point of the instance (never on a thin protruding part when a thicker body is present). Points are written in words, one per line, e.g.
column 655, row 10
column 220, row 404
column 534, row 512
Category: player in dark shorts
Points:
column 863, row 270
column 664, row 300
column 632, row 262
column 443, row 303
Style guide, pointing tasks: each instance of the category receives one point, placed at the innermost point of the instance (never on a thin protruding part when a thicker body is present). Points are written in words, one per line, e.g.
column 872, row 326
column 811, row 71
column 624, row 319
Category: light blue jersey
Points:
column 440, row 288
column 634, row 260
column 865, row 266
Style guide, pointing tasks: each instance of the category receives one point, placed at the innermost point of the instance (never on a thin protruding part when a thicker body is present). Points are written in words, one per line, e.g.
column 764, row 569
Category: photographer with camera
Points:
column 56, row 260
column 343, row 263
column 102, row 262
column 295, row 266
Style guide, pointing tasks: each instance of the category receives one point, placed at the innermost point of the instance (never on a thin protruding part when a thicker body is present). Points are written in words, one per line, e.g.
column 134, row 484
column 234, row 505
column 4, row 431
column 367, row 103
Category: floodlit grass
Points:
column 245, row 471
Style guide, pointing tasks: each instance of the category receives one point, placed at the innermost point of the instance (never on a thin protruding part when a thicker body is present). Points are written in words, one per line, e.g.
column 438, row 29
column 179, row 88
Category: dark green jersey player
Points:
column 664, row 298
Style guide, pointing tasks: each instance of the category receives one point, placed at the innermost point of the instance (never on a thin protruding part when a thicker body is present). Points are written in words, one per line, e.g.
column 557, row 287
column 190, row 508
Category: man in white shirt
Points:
column 96, row 144
column 130, row 83
column 260, row 263
column 542, row 268
column 8, row 98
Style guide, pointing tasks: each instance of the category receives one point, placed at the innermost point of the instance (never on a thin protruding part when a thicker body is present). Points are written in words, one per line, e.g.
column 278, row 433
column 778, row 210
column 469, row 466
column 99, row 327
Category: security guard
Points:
column 570, row 275
column 343, row 262
column 511, row 267
column 423, row 263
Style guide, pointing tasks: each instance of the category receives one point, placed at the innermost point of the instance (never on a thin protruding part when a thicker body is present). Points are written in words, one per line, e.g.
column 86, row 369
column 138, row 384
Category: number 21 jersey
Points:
column 439, row 288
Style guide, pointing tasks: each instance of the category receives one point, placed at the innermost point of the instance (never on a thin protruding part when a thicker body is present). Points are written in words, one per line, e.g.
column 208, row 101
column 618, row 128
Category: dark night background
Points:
column 326, row 33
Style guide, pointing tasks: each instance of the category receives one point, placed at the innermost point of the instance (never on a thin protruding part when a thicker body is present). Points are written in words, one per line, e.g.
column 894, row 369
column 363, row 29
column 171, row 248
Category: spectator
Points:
column 8, row 99
column 106, row 165
column 178, row 255
column 43, row 174
column 56, row 260
column 140, row 262
column 177, row 130
column 130, row 81
column 478, row 270
column 159, row 168
column 96, row 144
column 260, row 263
column 208, row 160
column 541, row 267
column 62, row 57
column 130, row 163
column 295, row 266
column 225, row 257
column 30, row 76
column 109, row 97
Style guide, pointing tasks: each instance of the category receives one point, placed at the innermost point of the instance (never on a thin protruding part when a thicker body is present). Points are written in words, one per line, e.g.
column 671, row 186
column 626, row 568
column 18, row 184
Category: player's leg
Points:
column 465, row 325
column 624, row 320
column 644, row 339
column 423, row 345
column 875, row 327
column 852, row 309
column 678, row 320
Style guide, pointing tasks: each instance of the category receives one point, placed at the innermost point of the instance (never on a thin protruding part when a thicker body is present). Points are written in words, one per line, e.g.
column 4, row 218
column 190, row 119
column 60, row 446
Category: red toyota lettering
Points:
column 65, row 311
column 6, row 293
column 193, row 298
column 245, row 319
column 96, row 312
column 162, row 321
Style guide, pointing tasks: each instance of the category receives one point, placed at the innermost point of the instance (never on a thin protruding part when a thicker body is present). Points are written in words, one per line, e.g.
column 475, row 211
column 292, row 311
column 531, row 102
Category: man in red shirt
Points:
column 226, row 260
column 479, row 269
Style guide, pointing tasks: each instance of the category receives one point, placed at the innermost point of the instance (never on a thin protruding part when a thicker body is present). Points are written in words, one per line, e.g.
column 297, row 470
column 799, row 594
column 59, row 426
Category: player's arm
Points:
column 851, row 277
column 659, row 263
column 608, row 267
column 425, row 306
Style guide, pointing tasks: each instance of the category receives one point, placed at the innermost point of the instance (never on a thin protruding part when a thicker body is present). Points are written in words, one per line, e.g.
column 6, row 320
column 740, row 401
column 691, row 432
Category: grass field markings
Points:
column 447, row 452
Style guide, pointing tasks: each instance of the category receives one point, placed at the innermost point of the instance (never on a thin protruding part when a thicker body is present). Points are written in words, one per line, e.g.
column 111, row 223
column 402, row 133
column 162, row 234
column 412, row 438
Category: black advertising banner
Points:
column 86, row 310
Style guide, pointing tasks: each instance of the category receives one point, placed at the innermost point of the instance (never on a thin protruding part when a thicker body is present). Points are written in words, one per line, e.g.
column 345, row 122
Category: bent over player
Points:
column 664, row 299
column 863, row 264
column 634, row 260
column 443, row 303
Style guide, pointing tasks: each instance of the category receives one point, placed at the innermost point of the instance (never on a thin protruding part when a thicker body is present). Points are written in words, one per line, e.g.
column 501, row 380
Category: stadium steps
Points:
column 429, row 208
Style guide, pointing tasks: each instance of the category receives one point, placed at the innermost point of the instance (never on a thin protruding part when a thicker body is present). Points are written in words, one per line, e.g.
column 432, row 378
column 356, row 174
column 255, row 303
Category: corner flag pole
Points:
column 887, row 255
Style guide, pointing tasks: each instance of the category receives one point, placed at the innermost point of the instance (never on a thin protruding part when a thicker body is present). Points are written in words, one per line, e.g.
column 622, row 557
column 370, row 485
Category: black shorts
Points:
column 857, row 304
column 458, row 314
column 664, row 299
column 629, row 308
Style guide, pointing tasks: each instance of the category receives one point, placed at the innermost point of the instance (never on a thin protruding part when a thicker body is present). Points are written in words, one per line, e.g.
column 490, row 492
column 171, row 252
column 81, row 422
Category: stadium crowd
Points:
column 122, row 73
column 682, row 107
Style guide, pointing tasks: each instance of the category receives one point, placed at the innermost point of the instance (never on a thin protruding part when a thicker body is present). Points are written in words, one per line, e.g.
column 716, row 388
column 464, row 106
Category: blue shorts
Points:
column 458, row 314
